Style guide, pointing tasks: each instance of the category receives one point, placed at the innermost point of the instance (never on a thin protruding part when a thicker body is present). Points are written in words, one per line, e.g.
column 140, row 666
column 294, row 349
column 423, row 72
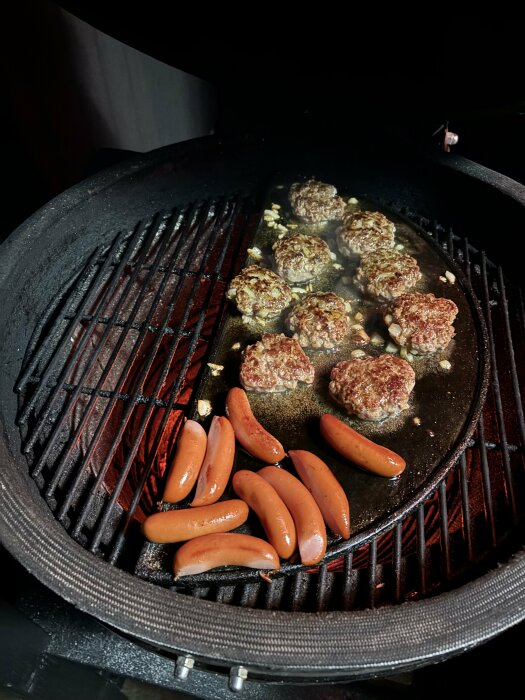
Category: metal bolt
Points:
column 450, row 139
column 183, row 667
column 238, row 674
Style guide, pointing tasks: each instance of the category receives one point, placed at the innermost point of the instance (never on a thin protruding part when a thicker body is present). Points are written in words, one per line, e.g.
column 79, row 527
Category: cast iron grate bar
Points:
column 109, row 394
column 347, row 581
column 421, row 548
column 443, row 521
column 398, row 548
column 512, row 365
column 372, row 573
column 127, row 323
column 323, row 589
column 497, row 390
column 466, row 521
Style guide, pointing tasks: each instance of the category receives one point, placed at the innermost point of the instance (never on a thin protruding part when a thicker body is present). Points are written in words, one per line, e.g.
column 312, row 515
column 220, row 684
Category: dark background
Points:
column 344, row 75
column 272, row 74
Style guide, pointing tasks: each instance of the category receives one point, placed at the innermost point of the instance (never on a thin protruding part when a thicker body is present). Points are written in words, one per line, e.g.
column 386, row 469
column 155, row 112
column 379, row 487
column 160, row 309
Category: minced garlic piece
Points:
column 255, row 253
column 450, row 277
column 377, row 339
column 445, row 364
column 203, row 407
column 215, row 369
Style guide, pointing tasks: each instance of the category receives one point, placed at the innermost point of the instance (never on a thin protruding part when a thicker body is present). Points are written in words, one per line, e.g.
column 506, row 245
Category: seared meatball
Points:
column 372, row 388
column 319, row 320
column 364, row 232
column 386, row 274
column 275, row 363
column 315, row 201
column 300, row 258
column 259, row 293
column 421, row 322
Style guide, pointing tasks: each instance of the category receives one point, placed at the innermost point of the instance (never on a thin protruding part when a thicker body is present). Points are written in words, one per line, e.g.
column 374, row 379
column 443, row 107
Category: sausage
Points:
column 327, row 491
column 248, row 431
column 218, row 462
column 358, row 449
column 309, row 523
column 209, row 551
column 270, row 509
column 191, row 448
column 181, row 525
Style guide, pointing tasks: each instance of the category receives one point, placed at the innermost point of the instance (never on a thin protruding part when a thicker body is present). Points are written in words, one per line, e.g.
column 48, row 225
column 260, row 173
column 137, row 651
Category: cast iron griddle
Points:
column 447, row 402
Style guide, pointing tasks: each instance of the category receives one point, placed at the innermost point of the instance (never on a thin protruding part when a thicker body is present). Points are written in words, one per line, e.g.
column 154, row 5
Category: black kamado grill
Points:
column 113, row 295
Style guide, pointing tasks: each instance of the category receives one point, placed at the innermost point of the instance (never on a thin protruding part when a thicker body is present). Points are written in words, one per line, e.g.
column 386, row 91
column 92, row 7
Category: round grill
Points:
column 118, row 327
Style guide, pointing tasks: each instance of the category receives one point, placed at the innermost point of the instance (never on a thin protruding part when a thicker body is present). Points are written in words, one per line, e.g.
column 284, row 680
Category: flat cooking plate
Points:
column 447, row 402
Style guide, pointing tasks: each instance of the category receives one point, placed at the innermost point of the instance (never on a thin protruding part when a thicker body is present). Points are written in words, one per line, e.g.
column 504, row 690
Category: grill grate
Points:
column 115, row 362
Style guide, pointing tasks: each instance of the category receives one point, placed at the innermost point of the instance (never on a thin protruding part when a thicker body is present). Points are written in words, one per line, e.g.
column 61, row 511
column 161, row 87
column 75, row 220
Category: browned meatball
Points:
column 259, row 293
column 275, row 363
column 422, row 323
column 364, row 232
column 319, row 320
column 315, row 201
column 387, row 274
column 372, row 388
column 300, row 258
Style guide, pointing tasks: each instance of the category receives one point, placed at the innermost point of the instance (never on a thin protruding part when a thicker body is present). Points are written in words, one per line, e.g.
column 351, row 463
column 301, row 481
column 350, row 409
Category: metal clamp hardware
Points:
column 238, row 674
column 183, row 667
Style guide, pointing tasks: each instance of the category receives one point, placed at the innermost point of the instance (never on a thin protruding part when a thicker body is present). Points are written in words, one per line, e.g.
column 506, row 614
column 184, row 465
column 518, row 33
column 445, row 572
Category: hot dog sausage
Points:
column 248, row 431
column 270, row 508
column 218, row 462
column 191, row 448
column 309, row 523
column 181, row 525
column 358, row 449
column 324, row 487
column 207, row 552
